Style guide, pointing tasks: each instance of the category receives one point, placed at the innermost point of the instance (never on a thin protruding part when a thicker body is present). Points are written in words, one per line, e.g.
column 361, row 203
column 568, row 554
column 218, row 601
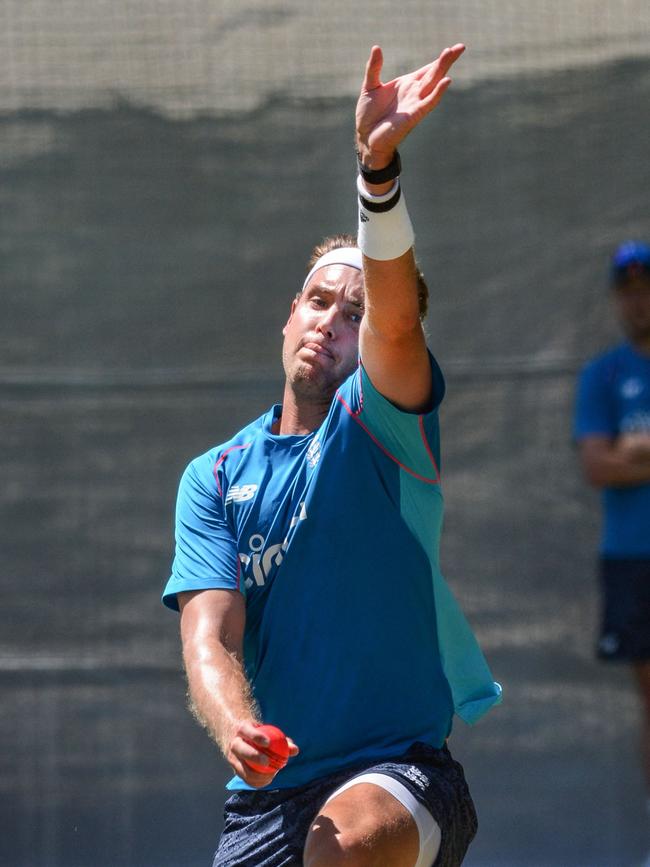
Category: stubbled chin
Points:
column 310, row 380
column 306, row 372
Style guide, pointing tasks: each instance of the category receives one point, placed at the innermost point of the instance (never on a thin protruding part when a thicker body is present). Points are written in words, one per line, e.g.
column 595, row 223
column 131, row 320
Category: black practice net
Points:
column 164, row 169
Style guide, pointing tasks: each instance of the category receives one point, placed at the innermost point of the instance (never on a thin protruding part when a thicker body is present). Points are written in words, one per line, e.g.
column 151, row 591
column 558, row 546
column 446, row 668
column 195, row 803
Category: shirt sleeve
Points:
column 594, row 412
column 412, row 440
column 206, row 549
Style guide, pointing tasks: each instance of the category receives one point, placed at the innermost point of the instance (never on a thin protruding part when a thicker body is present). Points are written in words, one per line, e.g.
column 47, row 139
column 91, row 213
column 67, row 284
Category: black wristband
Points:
column 381, row 207
column 381, row 176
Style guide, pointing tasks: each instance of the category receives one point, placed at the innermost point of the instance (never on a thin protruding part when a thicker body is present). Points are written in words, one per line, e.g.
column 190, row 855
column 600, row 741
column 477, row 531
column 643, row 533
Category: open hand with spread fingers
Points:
column 386, row 113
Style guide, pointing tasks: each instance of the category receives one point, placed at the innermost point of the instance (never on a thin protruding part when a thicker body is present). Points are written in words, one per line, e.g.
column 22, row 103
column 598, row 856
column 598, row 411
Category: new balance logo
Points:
column 240, row 493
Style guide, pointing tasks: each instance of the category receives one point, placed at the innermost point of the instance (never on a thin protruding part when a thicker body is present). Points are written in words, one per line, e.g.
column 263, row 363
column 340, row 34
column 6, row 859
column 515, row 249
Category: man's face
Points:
column 321, row 337
column 633, row 303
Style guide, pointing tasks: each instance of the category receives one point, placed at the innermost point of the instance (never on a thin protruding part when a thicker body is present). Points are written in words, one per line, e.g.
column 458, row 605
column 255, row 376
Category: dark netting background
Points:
column 164, row 168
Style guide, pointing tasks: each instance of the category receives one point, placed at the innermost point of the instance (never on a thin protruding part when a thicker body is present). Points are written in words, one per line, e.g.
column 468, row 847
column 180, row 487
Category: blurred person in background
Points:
column 612, row 428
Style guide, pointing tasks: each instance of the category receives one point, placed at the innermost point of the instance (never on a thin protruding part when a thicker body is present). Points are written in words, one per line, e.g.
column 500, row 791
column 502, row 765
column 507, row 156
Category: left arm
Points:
column 392, row 344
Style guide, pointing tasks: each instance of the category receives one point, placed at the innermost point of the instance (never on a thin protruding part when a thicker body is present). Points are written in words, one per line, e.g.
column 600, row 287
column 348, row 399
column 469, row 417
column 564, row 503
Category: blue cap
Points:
column 631, row 259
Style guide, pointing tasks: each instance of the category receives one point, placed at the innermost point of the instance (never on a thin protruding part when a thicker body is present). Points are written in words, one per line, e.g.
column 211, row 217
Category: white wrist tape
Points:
column 383, row 234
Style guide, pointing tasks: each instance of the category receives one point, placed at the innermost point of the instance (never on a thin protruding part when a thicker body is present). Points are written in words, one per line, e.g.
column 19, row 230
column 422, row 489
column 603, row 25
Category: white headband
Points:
column 341, row 256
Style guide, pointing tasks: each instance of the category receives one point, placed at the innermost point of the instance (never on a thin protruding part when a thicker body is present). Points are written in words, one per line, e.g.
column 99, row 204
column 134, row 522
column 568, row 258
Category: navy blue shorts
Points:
column 269, row 828
column 625, row 626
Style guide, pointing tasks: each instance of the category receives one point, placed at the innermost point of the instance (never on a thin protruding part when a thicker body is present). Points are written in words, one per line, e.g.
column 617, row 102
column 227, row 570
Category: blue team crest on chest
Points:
column 313, row 452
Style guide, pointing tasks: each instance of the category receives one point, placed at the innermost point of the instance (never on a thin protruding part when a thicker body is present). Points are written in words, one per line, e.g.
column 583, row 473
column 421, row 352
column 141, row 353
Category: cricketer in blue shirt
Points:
column 306, row 568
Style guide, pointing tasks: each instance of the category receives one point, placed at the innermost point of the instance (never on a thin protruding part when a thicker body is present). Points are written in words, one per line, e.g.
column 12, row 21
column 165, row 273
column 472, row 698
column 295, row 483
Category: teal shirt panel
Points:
column 414, row 442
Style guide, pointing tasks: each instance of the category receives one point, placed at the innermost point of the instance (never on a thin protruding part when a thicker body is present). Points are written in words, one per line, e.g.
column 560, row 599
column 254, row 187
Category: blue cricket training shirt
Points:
column 354, row 645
